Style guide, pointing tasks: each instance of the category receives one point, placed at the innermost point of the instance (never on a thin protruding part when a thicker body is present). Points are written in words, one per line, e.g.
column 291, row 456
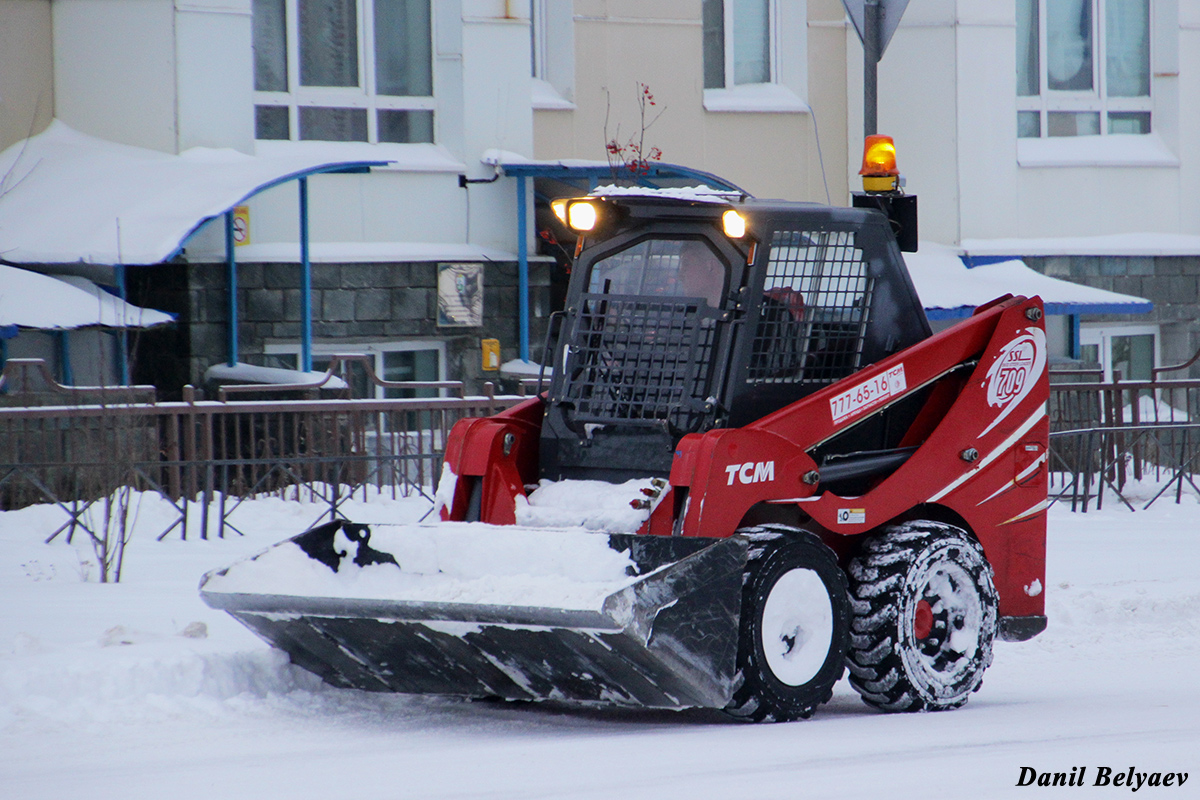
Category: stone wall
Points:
column 1172, row 283
column 350, row 302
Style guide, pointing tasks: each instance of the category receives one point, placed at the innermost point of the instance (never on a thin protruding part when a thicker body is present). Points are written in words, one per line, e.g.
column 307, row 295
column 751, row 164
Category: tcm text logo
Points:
column 751, row 472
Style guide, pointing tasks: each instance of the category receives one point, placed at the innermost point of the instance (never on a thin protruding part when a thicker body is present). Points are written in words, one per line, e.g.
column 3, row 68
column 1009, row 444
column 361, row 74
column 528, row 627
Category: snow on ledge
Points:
column 546, row 98
column 72, row 197
column 400, row 157
column 494, row 157
column 274, row 376
column 518, row 368
column 1114, row 150
column 769, row 98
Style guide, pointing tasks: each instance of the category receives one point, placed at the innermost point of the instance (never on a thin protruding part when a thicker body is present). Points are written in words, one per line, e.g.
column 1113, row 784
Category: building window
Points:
column 755, row 55
column 737, row 42
column 1083, row 67
column 552, row 54
column 1130, row 351
column 392, row 361
column 343, row 70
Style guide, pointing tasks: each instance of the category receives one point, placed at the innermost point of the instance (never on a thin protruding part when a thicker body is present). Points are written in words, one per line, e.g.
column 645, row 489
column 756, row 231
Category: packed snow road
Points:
column 116, row 691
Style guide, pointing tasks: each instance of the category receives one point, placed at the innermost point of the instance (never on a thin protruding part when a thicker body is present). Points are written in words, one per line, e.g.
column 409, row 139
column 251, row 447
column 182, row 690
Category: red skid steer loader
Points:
column 753, row 468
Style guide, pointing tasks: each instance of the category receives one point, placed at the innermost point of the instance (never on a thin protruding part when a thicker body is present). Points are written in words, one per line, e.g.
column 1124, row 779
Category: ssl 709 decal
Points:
column 1015, row 372
column 867, row 395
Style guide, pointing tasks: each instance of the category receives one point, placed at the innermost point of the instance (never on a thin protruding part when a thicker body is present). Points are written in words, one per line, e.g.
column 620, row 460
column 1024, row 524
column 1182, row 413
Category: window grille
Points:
column 637, row 359
column 816, row 299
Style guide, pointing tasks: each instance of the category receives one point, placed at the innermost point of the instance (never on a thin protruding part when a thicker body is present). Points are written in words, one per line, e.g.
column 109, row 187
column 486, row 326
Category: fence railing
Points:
column 222, row 451
column 1104, row 434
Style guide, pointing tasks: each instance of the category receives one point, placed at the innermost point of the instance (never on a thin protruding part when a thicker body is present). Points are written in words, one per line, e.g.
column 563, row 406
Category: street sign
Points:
column 241, row 225
column 890, row 12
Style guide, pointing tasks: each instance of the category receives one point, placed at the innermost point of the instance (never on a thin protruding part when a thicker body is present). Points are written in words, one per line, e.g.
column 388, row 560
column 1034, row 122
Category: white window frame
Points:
column 361, row 96
column 1101, row 334
column 374, row 349
column 728, row 9
column 788, row 64
column 1096, row 100
column 552, row 56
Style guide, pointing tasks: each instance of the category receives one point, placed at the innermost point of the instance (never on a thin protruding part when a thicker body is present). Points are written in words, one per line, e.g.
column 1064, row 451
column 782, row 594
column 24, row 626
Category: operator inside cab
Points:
column 663, row 267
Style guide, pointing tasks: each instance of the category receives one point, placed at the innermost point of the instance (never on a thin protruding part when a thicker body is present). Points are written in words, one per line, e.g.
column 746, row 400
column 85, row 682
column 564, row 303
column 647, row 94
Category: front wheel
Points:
column 925, row 609
column 794, row 626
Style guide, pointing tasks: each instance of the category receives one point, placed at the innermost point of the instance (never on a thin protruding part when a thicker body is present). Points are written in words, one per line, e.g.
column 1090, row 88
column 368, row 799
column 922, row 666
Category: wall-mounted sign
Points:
column 491, row 354
column 460, row 295
column 241, row 225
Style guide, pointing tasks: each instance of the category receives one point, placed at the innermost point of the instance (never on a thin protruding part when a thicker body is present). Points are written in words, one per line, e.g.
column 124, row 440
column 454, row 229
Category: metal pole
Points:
column 872, row 24
column 522, row 269
column 305, row 283
column 123, row 335
column 64, row 359
column 231, row 264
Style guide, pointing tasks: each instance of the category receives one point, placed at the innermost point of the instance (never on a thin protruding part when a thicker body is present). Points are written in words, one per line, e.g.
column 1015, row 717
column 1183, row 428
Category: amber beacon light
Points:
column 879, row 171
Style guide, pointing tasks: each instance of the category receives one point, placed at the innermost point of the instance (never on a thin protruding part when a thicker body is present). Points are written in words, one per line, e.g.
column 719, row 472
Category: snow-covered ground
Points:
column 139, row 690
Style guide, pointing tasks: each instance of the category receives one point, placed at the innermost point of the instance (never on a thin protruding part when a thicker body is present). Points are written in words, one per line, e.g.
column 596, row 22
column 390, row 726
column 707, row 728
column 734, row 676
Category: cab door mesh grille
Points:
column 639, row 360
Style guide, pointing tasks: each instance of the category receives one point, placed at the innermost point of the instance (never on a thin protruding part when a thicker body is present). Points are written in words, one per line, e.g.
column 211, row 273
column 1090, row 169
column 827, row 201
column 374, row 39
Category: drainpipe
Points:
column 523, row 267
column 231, row 266
column 123, row 335
column 64, row 358
column 305, row 283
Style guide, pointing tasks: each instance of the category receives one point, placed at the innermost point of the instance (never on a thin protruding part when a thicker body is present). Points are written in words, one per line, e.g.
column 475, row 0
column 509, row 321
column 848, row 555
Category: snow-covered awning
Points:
column 1114, row 244
column 656, row 173
column 948, row 290
column 32, row 300
column 69, row 197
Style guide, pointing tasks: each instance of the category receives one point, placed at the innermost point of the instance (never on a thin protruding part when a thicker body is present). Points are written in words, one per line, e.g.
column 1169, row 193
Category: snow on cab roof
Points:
column 694, row 194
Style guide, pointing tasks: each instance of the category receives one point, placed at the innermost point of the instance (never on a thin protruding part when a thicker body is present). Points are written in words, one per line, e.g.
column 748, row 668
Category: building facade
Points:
column 419, row 89
column 1053, row 132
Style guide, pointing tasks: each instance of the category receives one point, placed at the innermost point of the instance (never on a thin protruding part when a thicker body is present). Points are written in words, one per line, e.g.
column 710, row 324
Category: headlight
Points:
column 559, row 207
column 581, row 215
column 734, row 223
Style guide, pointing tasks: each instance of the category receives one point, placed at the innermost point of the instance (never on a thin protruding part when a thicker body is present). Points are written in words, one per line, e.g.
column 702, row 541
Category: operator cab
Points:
column 685, row 315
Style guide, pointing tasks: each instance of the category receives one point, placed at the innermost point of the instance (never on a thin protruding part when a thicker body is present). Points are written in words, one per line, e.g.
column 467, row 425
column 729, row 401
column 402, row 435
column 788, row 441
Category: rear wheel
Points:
column 794, row 627
column 924, row 617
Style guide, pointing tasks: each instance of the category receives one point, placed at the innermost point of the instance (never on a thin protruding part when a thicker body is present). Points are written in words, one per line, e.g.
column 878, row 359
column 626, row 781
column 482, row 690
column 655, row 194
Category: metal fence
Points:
column 208, row 456
column 1107, row 434
column 221, row 452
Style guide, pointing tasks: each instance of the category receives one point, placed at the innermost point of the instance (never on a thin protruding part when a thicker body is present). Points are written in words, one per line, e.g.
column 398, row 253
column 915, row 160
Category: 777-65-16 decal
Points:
column 867, row 395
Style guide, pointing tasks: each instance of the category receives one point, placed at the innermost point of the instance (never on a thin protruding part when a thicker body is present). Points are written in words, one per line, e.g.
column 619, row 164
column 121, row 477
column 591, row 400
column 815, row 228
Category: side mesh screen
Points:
column 815, row 303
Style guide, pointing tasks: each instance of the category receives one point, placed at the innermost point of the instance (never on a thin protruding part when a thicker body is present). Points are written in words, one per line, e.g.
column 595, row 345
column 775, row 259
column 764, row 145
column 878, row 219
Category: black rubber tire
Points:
column 793, row 564
column 907, row 658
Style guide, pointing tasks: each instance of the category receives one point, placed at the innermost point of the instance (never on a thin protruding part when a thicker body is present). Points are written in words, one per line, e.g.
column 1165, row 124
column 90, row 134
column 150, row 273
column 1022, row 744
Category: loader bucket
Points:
column 477, row 610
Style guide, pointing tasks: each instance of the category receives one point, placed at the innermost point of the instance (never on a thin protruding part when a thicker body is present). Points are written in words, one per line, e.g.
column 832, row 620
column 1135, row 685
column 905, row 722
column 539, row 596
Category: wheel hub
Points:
column 797, row 627
column 923, row 620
